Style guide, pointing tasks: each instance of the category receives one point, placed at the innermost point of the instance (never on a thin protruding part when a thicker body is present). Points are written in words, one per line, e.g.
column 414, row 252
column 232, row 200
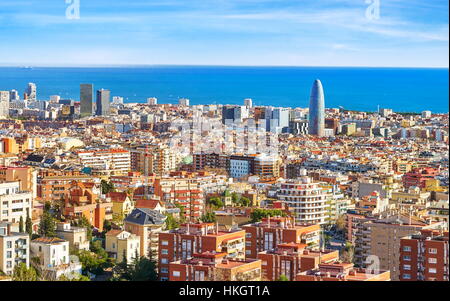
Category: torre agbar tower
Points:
column 316, row 110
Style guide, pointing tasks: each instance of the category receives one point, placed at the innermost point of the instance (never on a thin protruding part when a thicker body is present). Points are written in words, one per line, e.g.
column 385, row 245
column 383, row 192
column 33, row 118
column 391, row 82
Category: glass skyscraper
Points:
column 86, row 100
column 316, row 124
column 103, row 100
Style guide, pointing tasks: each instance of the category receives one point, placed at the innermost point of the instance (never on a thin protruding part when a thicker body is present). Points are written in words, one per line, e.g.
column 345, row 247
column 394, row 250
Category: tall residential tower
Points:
column 317, row 110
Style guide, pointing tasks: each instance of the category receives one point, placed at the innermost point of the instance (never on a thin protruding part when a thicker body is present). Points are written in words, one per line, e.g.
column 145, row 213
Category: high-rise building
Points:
column 31, row 91
column 4, row 104
column 103, row 97
column 248, row 102
column 183, row 102
column 86, row 99
column 14, row 95
column 317, row 110
column 152, row 101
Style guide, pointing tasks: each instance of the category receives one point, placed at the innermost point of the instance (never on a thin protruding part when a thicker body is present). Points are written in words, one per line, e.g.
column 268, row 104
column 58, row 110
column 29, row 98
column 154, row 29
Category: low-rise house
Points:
column 50, row 256
column 120, row 243
column 76, row 236
column 121, row 203
column 14, row 248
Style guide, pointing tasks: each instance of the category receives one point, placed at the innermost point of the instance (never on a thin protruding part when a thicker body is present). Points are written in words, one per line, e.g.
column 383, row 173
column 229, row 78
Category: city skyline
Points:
column 233, row 33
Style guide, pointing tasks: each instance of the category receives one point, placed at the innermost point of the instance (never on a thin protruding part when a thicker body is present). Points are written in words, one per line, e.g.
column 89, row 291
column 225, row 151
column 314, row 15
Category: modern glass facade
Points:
column 317, row 110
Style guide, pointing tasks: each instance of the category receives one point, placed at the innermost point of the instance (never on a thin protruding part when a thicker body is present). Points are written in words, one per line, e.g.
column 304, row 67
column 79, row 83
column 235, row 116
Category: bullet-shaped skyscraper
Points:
column 86, row 100
column 316, row 123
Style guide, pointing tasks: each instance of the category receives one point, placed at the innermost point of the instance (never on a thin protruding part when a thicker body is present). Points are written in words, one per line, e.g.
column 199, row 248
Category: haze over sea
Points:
column 363, row 89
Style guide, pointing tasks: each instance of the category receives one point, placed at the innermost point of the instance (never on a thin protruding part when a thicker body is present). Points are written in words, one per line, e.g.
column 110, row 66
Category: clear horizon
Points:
column 323, row 33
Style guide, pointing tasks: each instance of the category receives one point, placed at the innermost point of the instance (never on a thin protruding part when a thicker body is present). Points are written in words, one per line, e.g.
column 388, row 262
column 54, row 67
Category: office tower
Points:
column 426, row 114
column 31, row 91
column 14, row 95
column 86, row 99
column 317, row 110
column 183, row 102
column 248, row 102
column 103, row 102
column 55, row 98
column 234, row 113
column 277, row 119
column 4, row 104
column 152, row 101
column 117, row 100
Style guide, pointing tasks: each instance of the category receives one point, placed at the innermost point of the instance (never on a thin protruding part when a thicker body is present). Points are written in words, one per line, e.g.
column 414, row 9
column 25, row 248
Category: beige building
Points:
column 382, row 239
column 147, row 224
column 14, row 248
column 120, row 243
column 76, row 236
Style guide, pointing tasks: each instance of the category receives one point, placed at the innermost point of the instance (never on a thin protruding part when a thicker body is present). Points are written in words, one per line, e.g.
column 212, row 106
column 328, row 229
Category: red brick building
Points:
column 289, row 259
column 270, row 232
column 190, row 239
column 424, row 257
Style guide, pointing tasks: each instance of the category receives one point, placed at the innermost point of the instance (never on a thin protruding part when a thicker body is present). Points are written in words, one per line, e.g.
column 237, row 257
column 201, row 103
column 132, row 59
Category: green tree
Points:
column 283, row 278
column 340, row 223
column 21, row 225
column 258, row 214
column 245, row 202
column 209, row 217
column 143, row 269
column 22, row 273
column 106, row 187
column 84, row 223
column 77, row 278
column 235, row 198
column 171, row 222
column 47, row 225
column 29, row 225
column 348, row 252
column 107, row 226
column 215, row 202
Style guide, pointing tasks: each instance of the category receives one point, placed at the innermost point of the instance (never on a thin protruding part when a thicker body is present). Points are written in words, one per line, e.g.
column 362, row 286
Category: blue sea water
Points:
column 401, row 89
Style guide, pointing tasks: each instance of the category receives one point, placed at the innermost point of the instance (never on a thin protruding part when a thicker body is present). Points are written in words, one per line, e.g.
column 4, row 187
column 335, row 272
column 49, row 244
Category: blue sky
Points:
column 409, row 33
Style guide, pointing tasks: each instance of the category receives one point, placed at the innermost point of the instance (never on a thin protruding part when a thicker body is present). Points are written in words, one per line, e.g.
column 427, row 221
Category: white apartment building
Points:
column 14, row 203
column 115, row 160
column 54, row 260
column 14, row 248
column 305, row 199
column 4, row 104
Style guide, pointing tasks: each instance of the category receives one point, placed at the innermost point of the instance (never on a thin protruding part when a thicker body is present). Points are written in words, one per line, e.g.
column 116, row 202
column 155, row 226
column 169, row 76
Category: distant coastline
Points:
column 355, row 88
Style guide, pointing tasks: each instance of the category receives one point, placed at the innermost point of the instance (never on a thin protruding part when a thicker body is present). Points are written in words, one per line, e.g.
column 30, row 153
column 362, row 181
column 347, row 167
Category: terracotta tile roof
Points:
column 48, row 240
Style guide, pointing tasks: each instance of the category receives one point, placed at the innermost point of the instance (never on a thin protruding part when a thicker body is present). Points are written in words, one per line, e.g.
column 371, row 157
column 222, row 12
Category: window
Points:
column 164, row 270
column 407, row 248
column 9, row 254
column 164, row 251
column 9, row 264
column 407, row 267
column 176, row 274
column 407, row 258
column 9, row 244
column 432, row 251
column 406, row 276
column 163, row 260
column 432, row 260
column 164, row 243
column 113, row 245
column 432, row 270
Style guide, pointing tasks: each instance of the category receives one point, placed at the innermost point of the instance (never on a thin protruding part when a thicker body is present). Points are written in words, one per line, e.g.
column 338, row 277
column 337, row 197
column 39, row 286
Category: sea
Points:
column 353, row 88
